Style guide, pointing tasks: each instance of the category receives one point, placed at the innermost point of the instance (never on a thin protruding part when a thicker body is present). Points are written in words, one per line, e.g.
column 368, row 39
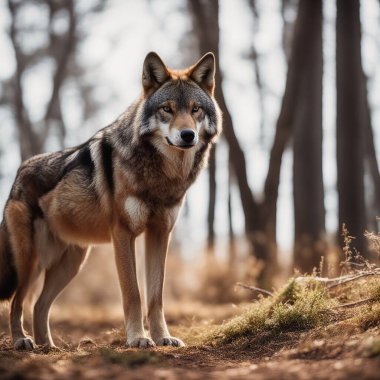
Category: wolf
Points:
column 130, row 177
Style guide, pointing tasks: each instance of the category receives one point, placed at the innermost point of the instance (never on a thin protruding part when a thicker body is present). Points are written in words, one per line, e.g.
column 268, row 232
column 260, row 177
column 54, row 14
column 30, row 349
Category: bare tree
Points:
column 207, row 30
column 309, row 210
column 60, row 50
column 350, row 136
column 260, row 216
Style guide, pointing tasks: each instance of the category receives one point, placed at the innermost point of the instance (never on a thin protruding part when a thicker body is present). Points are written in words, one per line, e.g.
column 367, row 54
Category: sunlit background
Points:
column 103, row 78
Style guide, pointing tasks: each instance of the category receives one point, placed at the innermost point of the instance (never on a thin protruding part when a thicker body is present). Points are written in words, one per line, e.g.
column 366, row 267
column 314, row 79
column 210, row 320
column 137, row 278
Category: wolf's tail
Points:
column 8, row 274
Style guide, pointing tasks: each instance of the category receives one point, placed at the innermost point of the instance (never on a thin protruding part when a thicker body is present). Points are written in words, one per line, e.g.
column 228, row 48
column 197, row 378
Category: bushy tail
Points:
column 8, row 275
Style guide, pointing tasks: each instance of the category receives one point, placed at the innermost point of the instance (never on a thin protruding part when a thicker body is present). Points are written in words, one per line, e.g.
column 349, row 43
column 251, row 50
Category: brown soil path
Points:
column 102, row 355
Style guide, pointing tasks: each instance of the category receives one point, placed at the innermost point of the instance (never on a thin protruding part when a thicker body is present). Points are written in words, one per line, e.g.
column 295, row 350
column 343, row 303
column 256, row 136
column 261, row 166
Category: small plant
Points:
column 307, row 307
column 293, row 307
column 353, row 259
column 306, row 302
column 374, row 241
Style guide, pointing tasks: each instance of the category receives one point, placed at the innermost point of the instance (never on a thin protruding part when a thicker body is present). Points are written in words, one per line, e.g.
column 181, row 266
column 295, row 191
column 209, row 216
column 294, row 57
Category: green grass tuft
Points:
column 294, row 307
column 305, row 307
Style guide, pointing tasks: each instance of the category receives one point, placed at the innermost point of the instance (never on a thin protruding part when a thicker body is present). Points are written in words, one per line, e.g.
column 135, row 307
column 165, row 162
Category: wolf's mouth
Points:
column 169, row 142
column 184, row 146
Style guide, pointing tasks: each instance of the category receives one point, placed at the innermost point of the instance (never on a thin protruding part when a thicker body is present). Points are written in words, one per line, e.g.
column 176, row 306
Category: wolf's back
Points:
column 8, row 275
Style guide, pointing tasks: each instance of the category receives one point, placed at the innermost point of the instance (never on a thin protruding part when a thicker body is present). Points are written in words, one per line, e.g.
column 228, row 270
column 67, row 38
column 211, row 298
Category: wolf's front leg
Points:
column 124, row 245
column 157, row 241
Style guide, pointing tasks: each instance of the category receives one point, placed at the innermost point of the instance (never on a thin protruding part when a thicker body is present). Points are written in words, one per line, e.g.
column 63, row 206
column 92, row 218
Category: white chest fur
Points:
column 137, row 213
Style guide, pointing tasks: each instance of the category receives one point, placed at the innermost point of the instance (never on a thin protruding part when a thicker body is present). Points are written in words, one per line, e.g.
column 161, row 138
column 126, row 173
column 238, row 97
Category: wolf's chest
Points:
column 138, row 214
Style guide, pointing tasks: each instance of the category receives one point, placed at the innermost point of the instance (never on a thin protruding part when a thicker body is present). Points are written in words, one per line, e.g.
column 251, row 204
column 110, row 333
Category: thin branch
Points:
column 357, row 303
column 29, row 144
column 254, row 289
column 62, row 60
column 331, row 283
column 334, row 285
column 255, row 58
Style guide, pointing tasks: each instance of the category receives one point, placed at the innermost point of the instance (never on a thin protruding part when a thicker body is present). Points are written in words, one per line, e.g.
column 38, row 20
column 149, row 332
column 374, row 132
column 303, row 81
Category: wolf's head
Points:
column 179, row 110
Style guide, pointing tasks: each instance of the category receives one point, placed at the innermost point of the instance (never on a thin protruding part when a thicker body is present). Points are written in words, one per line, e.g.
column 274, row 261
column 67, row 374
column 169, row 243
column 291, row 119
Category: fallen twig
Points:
column 357, row 303
column 331, row 283
column 353, row 278
column 254, row 289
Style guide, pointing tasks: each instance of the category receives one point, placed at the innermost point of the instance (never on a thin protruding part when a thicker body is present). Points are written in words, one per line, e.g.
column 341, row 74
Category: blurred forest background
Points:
column 299, row 86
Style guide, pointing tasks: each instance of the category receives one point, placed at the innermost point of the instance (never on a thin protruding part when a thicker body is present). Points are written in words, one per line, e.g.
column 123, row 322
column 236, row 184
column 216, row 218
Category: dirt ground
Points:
column 92, row 347
column 87, row 325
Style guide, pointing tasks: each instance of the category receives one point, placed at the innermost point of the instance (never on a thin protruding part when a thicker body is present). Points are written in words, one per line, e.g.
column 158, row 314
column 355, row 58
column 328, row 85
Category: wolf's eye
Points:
column 167, row 109
column 195, row 109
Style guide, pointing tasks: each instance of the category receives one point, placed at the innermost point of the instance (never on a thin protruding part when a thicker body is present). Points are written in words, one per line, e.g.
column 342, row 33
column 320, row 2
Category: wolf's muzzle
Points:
column 185, row 139
column 188, row 136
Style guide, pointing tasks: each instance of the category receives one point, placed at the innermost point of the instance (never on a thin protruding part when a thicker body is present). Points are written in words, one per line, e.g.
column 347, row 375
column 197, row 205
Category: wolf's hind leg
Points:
column 56, row 279
column 19, row 222
column 21, row 340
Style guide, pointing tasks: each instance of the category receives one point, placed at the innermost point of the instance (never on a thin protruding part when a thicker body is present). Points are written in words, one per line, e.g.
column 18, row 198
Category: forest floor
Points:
column 306, row 329
column 92, row 347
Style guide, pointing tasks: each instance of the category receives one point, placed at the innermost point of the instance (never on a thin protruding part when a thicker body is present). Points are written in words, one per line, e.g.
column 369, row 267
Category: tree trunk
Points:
column 373, row 166
column 205, row 20
column 350, row 129
column 308, row 192
column 266, row 240
column 211, row 201
column 260, row 218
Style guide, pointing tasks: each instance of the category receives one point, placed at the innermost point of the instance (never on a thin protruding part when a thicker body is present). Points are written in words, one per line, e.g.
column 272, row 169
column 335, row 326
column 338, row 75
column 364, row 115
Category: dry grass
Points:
column 308, row 302
column 293, row 307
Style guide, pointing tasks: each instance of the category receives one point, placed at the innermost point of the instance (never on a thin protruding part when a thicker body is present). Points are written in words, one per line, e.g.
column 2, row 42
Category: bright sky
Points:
column 117, row 42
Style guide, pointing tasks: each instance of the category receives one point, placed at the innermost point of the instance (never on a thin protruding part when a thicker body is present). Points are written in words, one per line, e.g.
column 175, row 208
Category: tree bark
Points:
column 308, row 192
column 350, row 135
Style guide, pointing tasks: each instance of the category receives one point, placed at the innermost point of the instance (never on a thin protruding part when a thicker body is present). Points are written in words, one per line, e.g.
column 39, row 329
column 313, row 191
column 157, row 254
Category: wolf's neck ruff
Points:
column 130, row 177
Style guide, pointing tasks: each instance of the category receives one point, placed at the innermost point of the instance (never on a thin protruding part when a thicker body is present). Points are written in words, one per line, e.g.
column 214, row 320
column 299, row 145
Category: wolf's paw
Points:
column 141, row 343
column 25, row 344
column 170, row 341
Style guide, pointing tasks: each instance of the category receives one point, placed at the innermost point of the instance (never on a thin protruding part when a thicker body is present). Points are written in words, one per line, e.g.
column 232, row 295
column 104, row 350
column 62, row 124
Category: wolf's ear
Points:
column 203, row 72
column 154, row 73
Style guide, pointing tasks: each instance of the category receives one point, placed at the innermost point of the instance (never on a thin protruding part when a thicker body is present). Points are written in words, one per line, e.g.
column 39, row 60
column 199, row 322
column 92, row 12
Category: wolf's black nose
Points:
column 187, row 135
